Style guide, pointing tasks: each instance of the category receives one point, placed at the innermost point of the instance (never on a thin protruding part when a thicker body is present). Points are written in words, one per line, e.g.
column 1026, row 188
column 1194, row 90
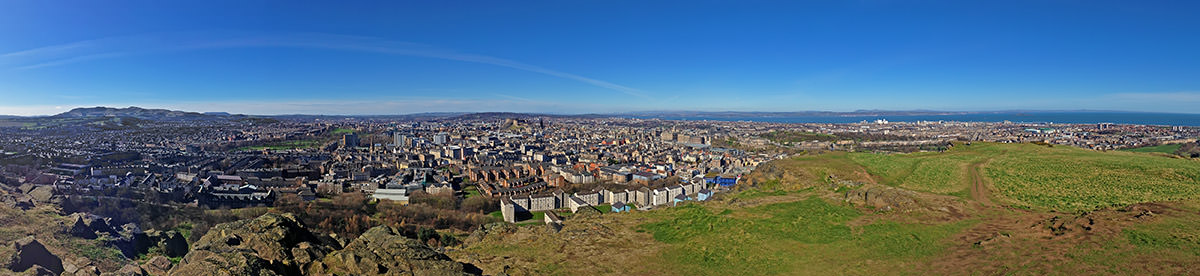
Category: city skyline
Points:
column 595, row 57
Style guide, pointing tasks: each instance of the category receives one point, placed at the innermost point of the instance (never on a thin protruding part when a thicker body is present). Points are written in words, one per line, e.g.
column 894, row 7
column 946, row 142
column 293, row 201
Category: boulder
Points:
column 42, row 193
column 38, row 270
column 129, row 270
column 384, row 251
column 158, row 265
column 29, row 253
column 88, row 271
column 89, row 226
column 19, row 201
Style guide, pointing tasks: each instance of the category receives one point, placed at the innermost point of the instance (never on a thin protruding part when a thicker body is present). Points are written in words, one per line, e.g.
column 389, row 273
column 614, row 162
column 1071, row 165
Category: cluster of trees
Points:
column 347, row 214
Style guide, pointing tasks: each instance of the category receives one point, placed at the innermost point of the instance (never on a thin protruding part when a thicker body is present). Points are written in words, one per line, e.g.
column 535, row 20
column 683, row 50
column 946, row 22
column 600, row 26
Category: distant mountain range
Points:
column 137, row 112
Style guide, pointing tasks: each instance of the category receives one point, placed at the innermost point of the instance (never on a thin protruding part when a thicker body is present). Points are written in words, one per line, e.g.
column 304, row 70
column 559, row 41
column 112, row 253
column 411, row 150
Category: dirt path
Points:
column 979, row 189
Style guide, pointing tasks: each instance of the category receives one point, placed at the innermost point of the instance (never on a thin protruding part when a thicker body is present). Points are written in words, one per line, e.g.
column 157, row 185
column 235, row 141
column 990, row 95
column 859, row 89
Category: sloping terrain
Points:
column 983, row 208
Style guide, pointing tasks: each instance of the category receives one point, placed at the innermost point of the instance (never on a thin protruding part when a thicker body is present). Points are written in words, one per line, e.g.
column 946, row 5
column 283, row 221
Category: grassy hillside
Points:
column 803, row 216
column 809, row 234
column 1044, row 177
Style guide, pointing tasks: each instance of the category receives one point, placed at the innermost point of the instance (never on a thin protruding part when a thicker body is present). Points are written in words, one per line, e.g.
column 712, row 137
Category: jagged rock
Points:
column 88, row 271
column 490, row 228
column 19, row 201
column 39, row 271
column 158, row 265
column 89, row 226
column 30, row 253
column 271, row 244
column 129, row 270
column 69, row 268
column 42, row 194
column 25, row 188
column 383, row 251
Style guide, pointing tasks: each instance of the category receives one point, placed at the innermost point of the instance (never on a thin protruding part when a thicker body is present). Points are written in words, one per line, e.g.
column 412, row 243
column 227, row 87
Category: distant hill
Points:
column 135, row 112
column 141, row 113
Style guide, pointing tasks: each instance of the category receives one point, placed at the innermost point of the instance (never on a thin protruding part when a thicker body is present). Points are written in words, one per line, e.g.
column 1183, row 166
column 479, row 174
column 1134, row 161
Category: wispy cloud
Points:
column 113, row 47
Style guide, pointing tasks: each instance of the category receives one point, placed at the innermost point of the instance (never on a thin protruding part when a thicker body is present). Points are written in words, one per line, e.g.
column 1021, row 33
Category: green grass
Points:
column 1168, row 149
column 471, row 191
column 1032, row 176
column 1074, row 179
column 940, row 173
column 810, row 236
column 185, row 230
column 604, row 208
column 342, row 131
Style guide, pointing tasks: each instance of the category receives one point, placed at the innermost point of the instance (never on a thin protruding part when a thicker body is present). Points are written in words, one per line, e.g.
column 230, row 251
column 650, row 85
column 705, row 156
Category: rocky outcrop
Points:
column 268, row 245
column 31, row 254
column 17, row 201
column 158, row 265
column 489, row 229
column 128, row 270
column 383, row 251
column 129, row 238
column 80, row 267
column 89, row 226
column 275, row 244
column 43, row 194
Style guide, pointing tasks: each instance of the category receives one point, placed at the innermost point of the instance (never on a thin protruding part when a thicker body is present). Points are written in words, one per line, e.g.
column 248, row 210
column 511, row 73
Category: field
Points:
column 342, row 131
column 808, row 235
column 1032, row 176
column 985, row 209
column 1168, row 148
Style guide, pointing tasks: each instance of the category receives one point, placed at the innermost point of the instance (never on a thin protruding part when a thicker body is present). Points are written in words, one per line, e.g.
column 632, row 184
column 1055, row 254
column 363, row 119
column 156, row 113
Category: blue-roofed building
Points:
column 618, row 207
column 681, row 198
column 723, row 181
column 704, row 194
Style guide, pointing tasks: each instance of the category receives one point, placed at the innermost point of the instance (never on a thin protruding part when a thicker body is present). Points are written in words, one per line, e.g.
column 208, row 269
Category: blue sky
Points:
column 398, row 57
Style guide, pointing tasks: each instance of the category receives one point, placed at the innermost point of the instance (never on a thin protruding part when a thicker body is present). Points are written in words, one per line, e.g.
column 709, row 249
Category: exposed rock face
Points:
column 89, row 226
column 131, row 270
column 268, row 245
column 279, row 245
column 30, row 253
column 158, row 265
column 42, row 194
column 17, row 201
column 383, row 251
